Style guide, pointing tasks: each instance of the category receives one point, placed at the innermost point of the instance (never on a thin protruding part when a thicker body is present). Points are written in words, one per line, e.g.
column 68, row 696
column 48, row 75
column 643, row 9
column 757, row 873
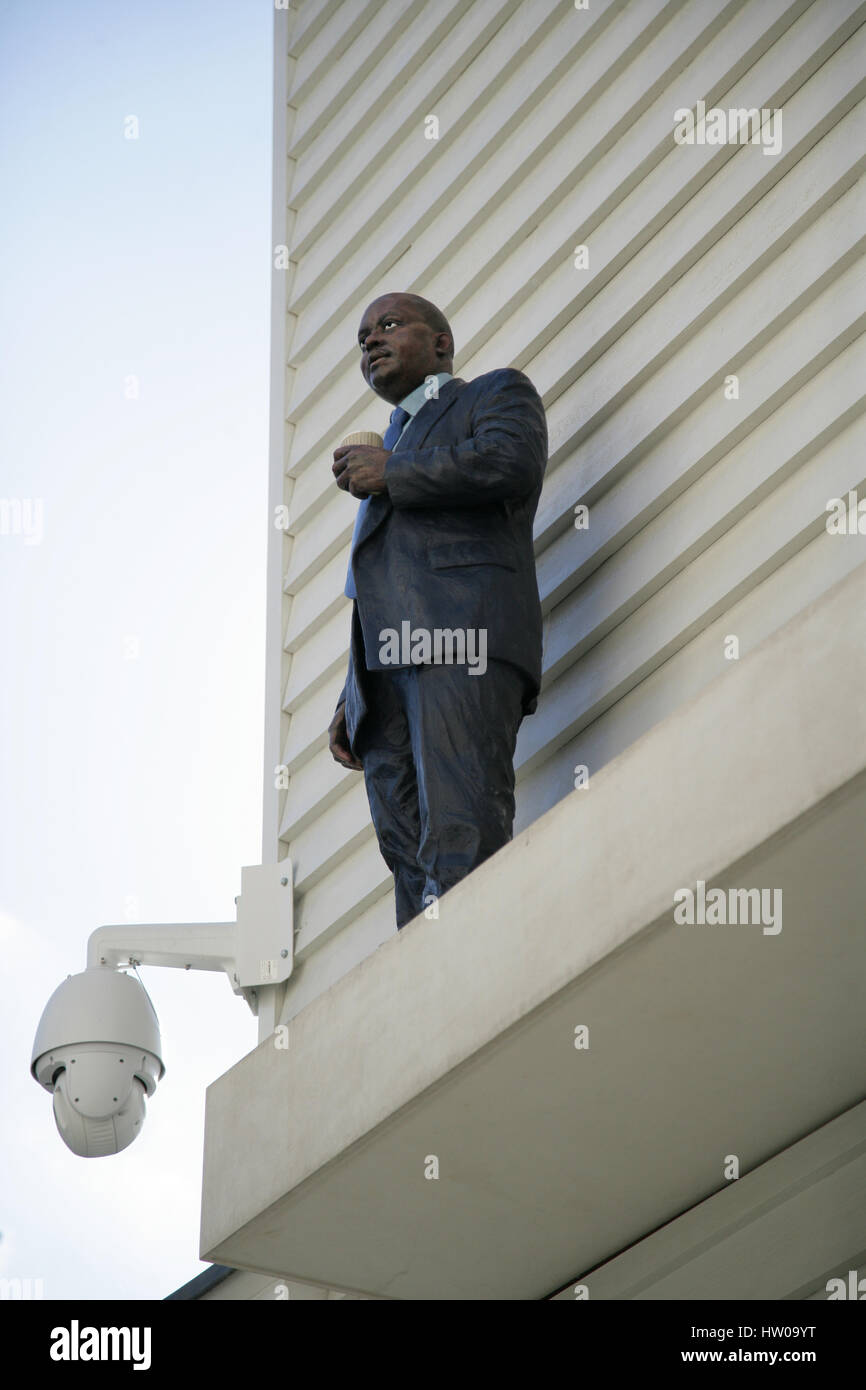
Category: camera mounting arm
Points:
column 254, row 952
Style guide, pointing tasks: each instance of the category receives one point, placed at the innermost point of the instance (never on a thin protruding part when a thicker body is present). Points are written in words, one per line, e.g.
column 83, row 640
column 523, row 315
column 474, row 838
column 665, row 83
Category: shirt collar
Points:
column 415, row 399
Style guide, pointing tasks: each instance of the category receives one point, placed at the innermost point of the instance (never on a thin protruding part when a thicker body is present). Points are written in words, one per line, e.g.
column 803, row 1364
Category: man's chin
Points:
column 387, row 391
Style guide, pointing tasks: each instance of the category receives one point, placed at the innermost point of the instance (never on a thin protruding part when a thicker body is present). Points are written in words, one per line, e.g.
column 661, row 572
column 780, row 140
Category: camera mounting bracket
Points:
column 255, row 951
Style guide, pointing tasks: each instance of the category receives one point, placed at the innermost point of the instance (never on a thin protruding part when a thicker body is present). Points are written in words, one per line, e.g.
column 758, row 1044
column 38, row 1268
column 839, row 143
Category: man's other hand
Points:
column 360, row 469
column 338, row 740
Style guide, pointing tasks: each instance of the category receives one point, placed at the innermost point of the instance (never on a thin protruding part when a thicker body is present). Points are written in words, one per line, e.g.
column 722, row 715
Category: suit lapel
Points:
column 379, row 505
column 423, row 420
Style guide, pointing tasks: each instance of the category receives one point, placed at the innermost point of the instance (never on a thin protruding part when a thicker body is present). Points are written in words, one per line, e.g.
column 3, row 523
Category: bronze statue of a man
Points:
column 445, row 655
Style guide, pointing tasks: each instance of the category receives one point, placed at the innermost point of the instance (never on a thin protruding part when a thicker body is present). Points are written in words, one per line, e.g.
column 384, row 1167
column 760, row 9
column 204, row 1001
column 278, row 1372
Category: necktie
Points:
column 399, row 416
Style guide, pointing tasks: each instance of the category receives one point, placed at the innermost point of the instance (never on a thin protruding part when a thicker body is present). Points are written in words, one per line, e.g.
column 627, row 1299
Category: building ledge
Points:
column 779, row 1232
column 455, row 1040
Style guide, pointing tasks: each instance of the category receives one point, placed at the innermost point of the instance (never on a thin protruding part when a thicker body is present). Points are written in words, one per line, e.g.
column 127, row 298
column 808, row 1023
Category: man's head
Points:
column 403, row 339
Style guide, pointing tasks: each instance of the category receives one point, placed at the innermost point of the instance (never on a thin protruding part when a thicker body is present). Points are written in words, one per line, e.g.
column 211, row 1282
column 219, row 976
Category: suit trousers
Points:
column 437, row 746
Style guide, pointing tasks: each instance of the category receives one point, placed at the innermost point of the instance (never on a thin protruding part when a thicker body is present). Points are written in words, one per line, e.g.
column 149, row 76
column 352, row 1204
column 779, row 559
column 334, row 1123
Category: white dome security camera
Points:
column 97, row 1049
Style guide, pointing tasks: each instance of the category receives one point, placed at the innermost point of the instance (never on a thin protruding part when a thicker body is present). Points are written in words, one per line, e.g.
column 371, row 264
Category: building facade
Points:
column 655, row 209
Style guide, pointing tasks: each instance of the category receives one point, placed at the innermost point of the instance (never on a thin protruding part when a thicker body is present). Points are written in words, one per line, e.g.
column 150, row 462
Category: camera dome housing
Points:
column 97, row 1050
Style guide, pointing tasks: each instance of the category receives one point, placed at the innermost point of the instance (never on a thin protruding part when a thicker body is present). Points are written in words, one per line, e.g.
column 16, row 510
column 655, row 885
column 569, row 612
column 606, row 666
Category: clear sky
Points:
column 133, row 436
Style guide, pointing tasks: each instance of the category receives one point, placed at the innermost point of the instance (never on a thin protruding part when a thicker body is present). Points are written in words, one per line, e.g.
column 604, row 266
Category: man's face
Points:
column 398, row 349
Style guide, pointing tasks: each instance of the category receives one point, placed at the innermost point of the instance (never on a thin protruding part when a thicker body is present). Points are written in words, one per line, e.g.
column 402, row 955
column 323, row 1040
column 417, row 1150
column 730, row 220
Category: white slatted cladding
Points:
column 707, row 514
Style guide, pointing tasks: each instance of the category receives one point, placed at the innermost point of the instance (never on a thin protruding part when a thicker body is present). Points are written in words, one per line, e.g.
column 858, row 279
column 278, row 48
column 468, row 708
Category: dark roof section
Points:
column 201, row 1284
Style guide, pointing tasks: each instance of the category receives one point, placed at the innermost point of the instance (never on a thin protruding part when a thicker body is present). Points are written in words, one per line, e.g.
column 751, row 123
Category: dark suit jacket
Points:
column 450, row 543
